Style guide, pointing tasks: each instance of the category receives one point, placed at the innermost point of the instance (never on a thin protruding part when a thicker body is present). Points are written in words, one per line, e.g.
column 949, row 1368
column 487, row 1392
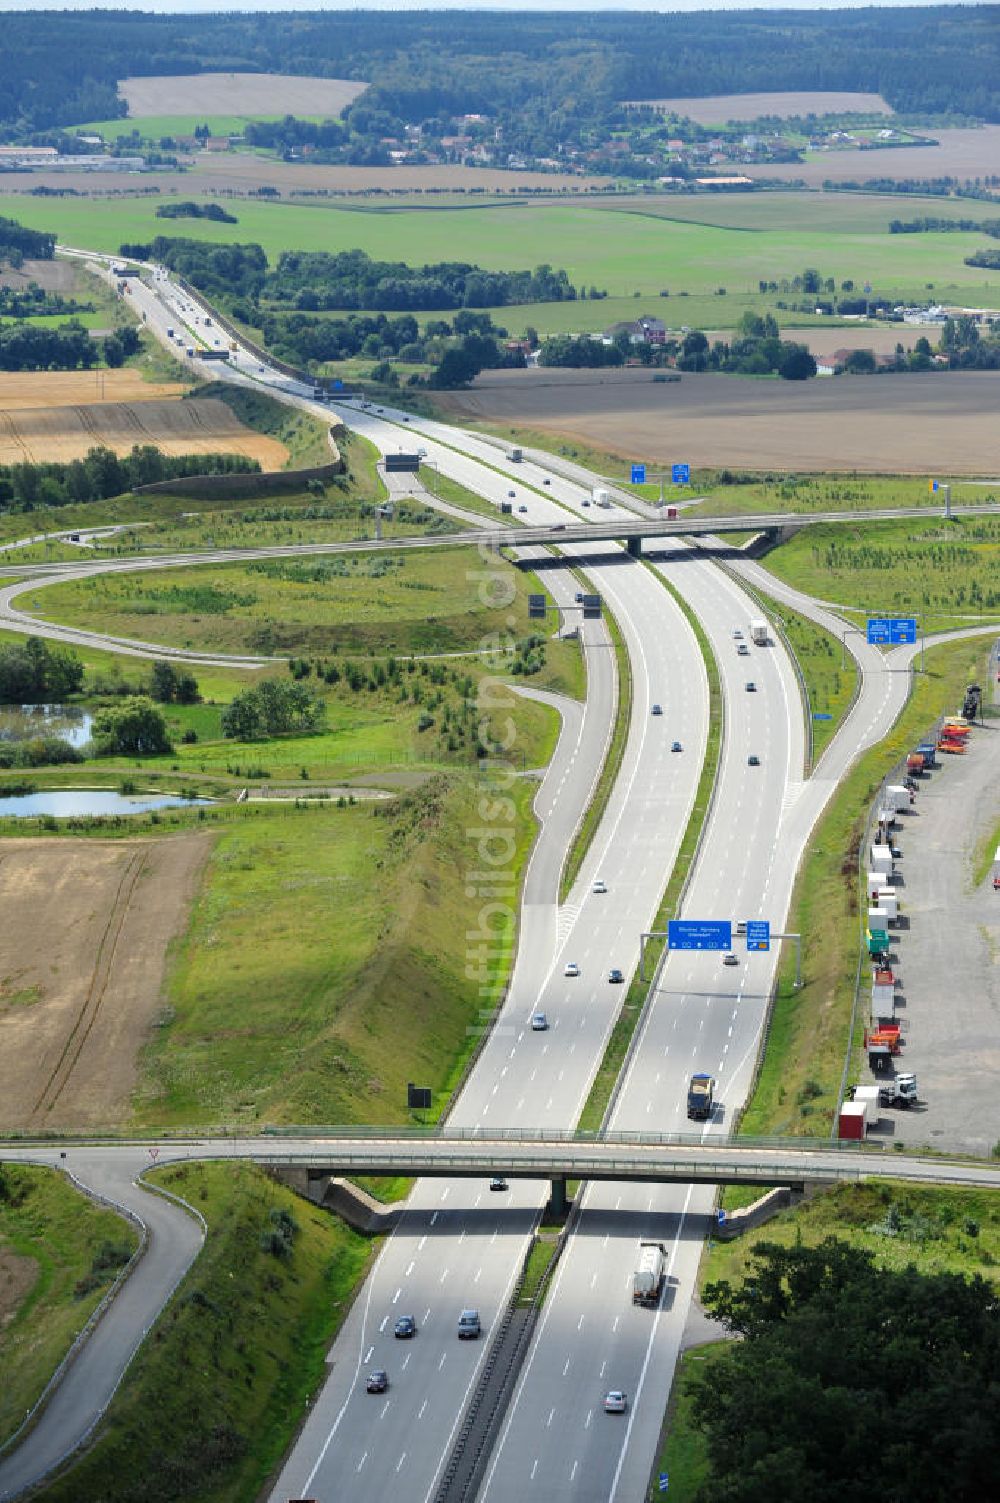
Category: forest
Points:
column 101, row 473
column 551, row 77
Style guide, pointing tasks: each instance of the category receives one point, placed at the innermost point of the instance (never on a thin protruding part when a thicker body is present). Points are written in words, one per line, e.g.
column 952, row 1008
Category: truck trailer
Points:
column 647, row 1280
column 700, row 1094
column 758, row 633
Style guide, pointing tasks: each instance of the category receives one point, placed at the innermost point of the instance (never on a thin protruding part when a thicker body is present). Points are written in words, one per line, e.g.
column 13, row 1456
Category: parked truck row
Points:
column 883, row 1036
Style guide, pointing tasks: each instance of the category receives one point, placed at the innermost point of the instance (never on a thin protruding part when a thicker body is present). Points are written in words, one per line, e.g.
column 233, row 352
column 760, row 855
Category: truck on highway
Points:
column 602, row 497
column 515, row 455
column 650, row 1268
column 758, row 633
column 701, row 1092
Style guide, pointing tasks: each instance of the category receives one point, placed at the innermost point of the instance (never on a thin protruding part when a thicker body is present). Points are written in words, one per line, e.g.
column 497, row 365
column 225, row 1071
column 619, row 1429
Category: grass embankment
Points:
column 214, row 1395
column 594, row 812
column 305, row 437
column 797, row 1089
column 829, row 687
column 427, row 601
column 983, row 855
column 932, row 1230
column 944, row 572
column 321, row 970
column 621, row 1035
column 59, row 1253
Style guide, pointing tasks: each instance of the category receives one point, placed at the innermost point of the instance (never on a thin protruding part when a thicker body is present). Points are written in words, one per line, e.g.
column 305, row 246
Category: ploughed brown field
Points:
column 934, row 424
column 273, row 94
column 83, row 945
column 717, row 109
column 59, row 415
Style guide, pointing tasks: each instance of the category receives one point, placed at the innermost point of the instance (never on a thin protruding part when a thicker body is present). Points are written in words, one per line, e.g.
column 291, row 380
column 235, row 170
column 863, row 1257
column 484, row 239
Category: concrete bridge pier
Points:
column 558, row 1201
column 634, row 546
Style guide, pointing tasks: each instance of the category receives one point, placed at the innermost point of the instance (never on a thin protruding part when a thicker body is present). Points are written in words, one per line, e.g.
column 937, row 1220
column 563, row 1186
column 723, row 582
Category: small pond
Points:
column 26, row 722
column 66, row 803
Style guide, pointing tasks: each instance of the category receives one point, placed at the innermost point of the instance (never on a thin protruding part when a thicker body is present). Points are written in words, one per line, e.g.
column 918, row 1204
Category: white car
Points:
column 615, row 1401
column 539, row 1022
column 571, row 969
column 737, row 634
column 599, row 886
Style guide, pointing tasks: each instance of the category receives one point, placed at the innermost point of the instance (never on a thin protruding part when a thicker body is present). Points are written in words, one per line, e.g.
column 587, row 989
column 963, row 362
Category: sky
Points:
column 195, row 7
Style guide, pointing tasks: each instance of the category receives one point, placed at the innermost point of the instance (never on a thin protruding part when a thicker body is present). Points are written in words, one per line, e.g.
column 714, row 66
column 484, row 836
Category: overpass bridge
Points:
column 527, row 1154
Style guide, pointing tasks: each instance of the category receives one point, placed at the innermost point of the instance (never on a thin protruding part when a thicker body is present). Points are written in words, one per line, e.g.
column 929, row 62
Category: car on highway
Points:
column 676, row 746
column 522, row 507
column 498, row 1182
column 615, row 976
column 512, row 494
column 559, row 527
column 578, row 596
column 469, row 1327
column 753, row 760
column 743, row 650
column 741, row 927
column 737, row 634
column 751, row 686
column 571, row 968
column 657, row 710
column 615, row 1401
column 599, row 885
column 730, row 959
column 377, row 1381
column 405, row 418
column 539, row 1022
column 405, row 1327
column 546, row 481
column 586, row 501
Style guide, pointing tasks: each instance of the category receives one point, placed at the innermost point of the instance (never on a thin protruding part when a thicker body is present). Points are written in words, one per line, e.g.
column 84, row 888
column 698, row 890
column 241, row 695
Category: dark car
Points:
column 405, row 1326
column 377, row 1382
column 753, row 760
column 615, row 975
column 498, row 1182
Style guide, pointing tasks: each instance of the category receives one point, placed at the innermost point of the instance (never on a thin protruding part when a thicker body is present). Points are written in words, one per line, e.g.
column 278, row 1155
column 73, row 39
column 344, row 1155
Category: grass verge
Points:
column 621, row 1035
column 594, row 811
column 216, row 1392
column 799, row 1080
column 304, row 436
column 59, row 1253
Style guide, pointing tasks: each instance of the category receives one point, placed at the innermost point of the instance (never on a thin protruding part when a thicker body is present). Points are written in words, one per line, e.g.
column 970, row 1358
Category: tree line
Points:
column 18, row 244
column 68, row 347
column 102, row 473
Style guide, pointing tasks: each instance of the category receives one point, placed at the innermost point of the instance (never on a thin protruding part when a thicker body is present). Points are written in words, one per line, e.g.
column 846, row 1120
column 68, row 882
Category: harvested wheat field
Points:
column 196, row 426
column 717, row 109
column 67, row 388
column 251, row 94
column 87, row 926
column 895, row 425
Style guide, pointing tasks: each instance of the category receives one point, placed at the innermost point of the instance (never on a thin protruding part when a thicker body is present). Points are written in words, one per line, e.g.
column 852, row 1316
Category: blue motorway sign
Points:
column 638, row 474
column 892, row 629
column 821, row 715
column 338, row 385
column 758, row 934
column 664, row 1481
column 680, row 474
column 692, row 934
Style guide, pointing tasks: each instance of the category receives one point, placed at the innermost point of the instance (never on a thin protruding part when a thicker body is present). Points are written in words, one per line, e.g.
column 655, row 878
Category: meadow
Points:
column 628, row 249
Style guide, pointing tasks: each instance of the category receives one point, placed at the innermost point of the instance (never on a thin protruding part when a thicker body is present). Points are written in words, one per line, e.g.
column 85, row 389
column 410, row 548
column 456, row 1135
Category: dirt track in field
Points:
column 197, row 426
column 907, row 424
column 83, row 945
column 274, row 94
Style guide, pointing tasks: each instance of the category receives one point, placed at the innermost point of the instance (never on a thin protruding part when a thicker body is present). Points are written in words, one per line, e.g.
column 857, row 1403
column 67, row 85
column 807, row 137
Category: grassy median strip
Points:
column 612, row 763
column 797, row 1089
column 829, row 687
column 621, row 1035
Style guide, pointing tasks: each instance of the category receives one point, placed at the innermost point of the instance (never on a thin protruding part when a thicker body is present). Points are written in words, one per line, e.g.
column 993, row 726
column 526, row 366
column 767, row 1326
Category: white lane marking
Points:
column 427, row 1316
column 385, row 1322
column 409, row 1270
column 444, row 1358
column 603, row 1366
column 361, row 1462
column 534, row 1468
column 548, row 1422
column 406, row 1360
column 573, row 1472
column 566, row 1368
column 434, row 1217
column 384, row 1411
column 444, row 1275
column 395, row 1297
column 579, row 1324
column 399, row 1463
column 420, row 1411
column 420, row 1244
column 590, row 1416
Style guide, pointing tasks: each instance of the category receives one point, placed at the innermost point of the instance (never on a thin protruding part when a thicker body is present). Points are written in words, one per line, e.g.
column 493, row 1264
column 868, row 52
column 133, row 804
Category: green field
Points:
column 426, row 601
column 62, row 1252
column 214, row 1396
column 947, row 572
column 829, row 686
column 153, row 127
column 614, row 247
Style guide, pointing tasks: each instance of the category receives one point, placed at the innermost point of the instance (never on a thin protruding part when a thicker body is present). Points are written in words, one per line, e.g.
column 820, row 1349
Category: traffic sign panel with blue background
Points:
column 758, row 934
column 691, row 934
column 638, row 474
column 891, row 629
column 680, row 474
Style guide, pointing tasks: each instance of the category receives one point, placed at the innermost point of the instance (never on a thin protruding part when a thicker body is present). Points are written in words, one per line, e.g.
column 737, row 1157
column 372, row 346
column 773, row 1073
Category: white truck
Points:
column 758, row 633
column 647, row 1281
column 602, row 497
column 515, row 455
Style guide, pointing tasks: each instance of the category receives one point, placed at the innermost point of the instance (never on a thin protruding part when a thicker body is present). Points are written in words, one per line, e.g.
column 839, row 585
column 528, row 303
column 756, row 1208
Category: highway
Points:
column 458, row 1242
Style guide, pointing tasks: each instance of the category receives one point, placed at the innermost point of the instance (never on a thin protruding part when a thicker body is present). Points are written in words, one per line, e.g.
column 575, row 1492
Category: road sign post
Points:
column 699, row 934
